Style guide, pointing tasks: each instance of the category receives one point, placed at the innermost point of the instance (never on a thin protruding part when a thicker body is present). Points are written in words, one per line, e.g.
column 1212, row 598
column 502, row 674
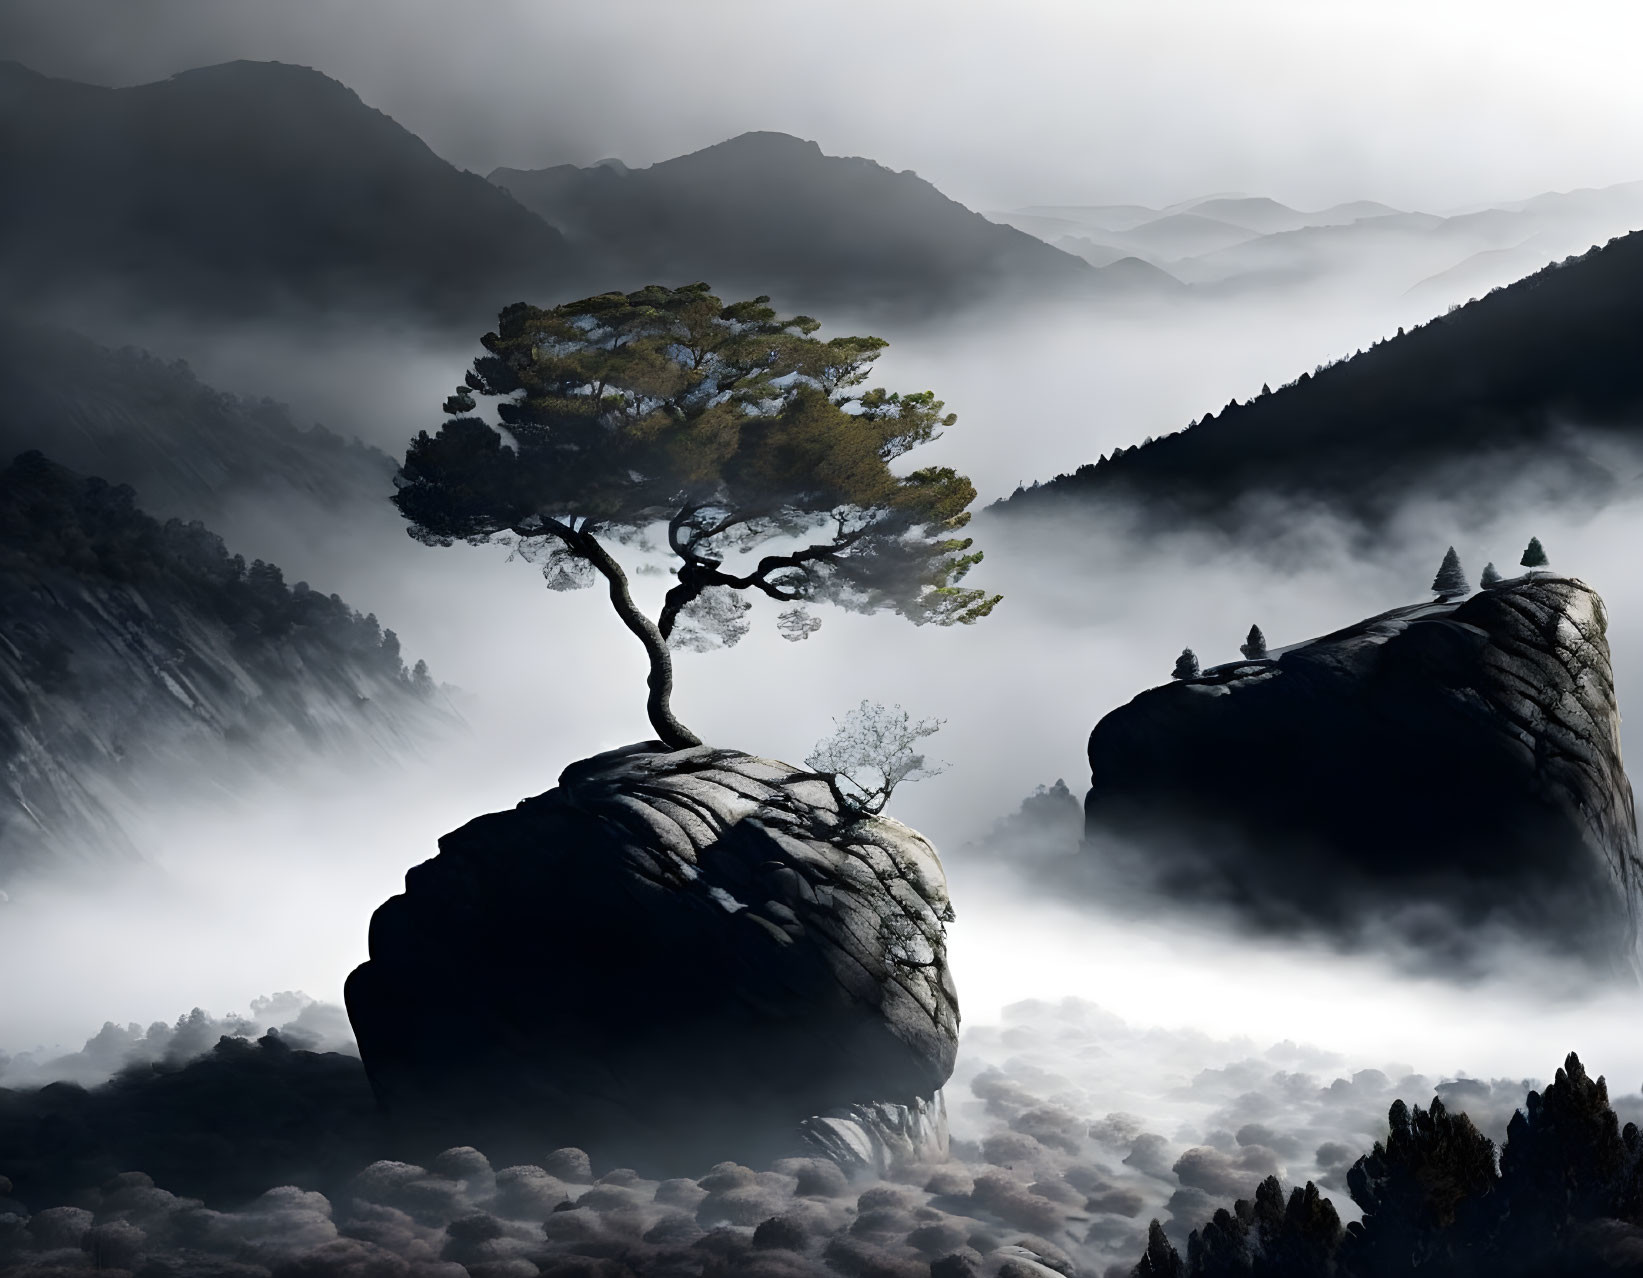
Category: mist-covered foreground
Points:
column 1072, row 1129
column 271, row 888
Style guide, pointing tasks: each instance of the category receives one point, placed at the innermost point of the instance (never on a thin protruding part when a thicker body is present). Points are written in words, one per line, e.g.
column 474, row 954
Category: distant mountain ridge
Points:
column 249, row 189
column 770, row 213
column 253, row 190
column 1444, row 402
column 1238, row 244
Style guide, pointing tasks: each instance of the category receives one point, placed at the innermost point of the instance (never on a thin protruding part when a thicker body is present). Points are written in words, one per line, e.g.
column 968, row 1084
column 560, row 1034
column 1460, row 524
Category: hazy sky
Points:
column 1431, row 104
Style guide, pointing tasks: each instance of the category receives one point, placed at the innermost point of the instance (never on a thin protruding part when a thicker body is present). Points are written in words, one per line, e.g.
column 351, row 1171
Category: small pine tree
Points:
column 1490, row 578
column 1186, row 665
column 1534, row 554
column 1451, row 578
column 1254, row 647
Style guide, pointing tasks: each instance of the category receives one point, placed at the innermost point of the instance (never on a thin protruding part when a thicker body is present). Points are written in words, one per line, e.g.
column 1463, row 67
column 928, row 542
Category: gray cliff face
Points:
column 1442, row 770
column 114, row 697
column 140, row 663
column 671, row 957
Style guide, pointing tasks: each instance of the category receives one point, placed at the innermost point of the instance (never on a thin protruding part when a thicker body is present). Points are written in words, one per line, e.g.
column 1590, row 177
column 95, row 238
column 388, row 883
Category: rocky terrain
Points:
column 669, row 959
column 1434, row 773
column 140, row 658
column 1052, row 1168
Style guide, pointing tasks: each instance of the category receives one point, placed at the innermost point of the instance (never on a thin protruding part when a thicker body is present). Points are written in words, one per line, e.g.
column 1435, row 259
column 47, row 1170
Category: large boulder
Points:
column 1441, row 772
column 671, row 959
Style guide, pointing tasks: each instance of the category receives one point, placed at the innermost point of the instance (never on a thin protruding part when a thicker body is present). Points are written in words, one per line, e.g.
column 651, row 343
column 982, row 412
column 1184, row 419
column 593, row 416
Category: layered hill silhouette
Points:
column 247, row 189
column 1454, row 402
column 770, row 213
column 188, row 450
column 1235, row 245
column 253, row 189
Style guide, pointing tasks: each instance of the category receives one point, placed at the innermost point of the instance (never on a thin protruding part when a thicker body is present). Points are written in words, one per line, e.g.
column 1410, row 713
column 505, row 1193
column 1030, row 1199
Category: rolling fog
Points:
column 1170, row 1022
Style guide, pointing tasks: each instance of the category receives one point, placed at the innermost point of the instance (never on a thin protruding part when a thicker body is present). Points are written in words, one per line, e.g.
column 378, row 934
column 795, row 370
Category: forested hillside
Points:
column 1522, row 371
column 141, row 659
column 187, row 449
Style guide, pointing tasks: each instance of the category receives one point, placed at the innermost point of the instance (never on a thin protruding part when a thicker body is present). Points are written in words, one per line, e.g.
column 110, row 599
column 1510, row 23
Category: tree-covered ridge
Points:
column 51, row 518
column 187, row 448
column 1564, row 1197
column 1509, row 370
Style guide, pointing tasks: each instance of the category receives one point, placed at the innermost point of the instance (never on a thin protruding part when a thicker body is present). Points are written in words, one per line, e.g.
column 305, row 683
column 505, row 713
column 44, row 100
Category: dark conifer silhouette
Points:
column 1451, row 578
column 728, row 425
column 1186, row 665
column 1534, row 555
column 1567, row 1198
column 1254, row 647
column 1160, row 1260
column 1490, row 578
column 1502, row 372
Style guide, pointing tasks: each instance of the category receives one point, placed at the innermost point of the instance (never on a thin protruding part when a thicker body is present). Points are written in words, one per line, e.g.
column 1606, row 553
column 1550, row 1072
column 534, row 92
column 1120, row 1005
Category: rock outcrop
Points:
column 1441, row 770
column 671, row 959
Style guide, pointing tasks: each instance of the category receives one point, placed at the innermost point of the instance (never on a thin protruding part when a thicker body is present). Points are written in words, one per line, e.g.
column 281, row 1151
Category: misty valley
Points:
column 739, row 715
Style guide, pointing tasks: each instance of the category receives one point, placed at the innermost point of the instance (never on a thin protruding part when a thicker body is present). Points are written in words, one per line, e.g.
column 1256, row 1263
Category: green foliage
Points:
column 1534, row 555
column 731, row 425
column 733, row 428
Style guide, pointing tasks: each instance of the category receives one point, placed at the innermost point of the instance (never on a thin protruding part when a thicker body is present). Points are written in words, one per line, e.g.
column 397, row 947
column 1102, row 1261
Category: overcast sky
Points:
column 1431, row 104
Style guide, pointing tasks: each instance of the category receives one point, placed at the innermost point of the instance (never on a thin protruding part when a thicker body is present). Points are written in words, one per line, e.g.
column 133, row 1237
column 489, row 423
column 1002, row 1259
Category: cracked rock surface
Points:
column 671, row 956
column 1442, row 771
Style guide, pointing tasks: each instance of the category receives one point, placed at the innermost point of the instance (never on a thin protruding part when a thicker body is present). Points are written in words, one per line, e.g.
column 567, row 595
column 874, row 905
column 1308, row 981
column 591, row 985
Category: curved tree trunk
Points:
column 669, row 730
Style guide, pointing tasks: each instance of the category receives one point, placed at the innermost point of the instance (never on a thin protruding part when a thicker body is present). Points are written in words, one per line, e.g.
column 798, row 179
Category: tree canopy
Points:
column 1534, row 554
column 733, row 428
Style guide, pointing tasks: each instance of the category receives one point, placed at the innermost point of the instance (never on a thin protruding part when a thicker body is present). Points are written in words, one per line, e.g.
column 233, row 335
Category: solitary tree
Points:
column 1186, row 665
column 1490, row 578
column 1534, row 555
column 731, row 428
column 1254, row 647
column 872, row 751
column 1451, row 578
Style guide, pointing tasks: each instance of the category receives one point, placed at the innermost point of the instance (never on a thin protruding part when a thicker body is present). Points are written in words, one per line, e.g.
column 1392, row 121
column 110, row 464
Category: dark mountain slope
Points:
column 769, row 213
column 1510, row 371
column 246, row 187
column 140, row 660
column 187, row 449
